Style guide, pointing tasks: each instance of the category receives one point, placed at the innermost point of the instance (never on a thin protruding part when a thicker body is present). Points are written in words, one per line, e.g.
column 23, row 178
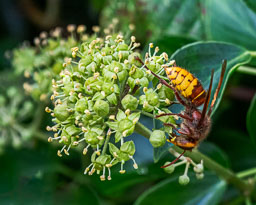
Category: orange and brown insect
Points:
column 190, row 93
column 187, row 85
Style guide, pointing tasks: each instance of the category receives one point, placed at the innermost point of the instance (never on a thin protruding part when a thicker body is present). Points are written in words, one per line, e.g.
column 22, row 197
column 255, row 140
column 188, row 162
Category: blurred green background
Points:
column 33, row 174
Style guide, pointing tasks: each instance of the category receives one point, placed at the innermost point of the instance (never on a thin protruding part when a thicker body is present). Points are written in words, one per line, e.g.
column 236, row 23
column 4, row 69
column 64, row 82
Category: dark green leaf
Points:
column 251, row 120
column 177, row 22
column 215, row 153
column 251, row 4
column 207, row 191
column 231, row 21
column 201, row 57
column 237, row 145
column 170, row 43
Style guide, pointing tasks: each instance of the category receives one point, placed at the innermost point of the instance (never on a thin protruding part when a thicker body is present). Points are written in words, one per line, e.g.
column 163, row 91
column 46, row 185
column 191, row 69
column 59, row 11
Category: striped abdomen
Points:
column 187, row 85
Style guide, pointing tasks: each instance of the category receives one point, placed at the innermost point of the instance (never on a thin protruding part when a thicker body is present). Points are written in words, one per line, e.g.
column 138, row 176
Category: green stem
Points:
column 105, row 144
column 247, row 70
column 145, row 113
column 197, row 156
column 253, row 53
column 246, row 173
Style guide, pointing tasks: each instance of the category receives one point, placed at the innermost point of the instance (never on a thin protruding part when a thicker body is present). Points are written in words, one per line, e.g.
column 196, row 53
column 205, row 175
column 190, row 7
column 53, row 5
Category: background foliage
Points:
column 31, row 171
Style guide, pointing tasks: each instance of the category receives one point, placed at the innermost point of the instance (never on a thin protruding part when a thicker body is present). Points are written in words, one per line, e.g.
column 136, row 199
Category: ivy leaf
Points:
column 251, row 120
column 201, row 57
column 238, row 27
column 170, row 43
column 207, row 191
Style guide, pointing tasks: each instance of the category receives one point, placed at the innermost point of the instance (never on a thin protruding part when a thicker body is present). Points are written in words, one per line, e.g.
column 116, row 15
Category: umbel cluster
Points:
column 99, row 97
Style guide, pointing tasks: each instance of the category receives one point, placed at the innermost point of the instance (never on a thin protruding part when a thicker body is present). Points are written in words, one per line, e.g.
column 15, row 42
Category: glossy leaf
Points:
column 177, row 22
column 207, row 191
column 215, row 153
column 237, row 145
column 170, row 42
column 201, row 57
column 251, row 120
column 231, row 21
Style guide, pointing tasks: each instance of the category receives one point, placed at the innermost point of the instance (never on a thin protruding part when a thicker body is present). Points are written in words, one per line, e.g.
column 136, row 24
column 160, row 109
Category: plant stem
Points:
column 247, row 173
column 247, row 70
column 253, row 53
column 197, row 156
column 145, row 113
column 105, row 144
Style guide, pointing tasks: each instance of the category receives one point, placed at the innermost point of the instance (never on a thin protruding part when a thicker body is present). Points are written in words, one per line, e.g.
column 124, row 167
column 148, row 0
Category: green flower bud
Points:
column 118, row 136
column 120, row 115
column 98, row 58
column 144, row 82
column 199, row 168
column 122, row 55
column 123, row 156
column 132, row 59
column 199, row 175
column 124, row 125
column 91, row 138
column 128, row 147
column 78, row 87
column 170, row 169
column 72, row 99
column 184, row 180
column 113, row 149
column 122, row 75
column 107, row 59
column 107, row 88
column 131, row 82
column 67, row 88
column 101, row 107
column 157, row 138
column 98, row 96
column 85, row 61
column 72, row 130
column 101, row 161
column 61, row 112
column 130, row 102
column 81, row 105
column 166, row 93
column 112, row 99
column 92, row 67
column 108, row 75
column 122, row 47
column 152, row 97
column 106, row 51
column 116, row 89
column 115, row 66
column 135, row 72
column 147, row 108
column 65, row 137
